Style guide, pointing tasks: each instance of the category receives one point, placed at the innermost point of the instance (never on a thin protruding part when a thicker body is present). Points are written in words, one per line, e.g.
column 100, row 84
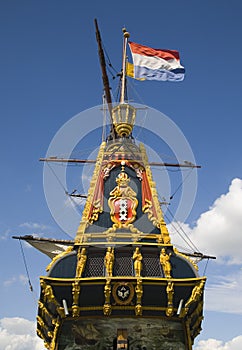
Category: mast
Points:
column 104, row 73
column 126, row 36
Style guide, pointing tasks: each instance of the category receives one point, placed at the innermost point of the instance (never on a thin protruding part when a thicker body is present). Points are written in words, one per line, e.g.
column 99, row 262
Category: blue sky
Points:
column 49, row 72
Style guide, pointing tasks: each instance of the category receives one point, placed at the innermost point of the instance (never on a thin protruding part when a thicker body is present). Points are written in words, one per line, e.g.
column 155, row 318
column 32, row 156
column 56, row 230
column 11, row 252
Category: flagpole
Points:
column 126, row 36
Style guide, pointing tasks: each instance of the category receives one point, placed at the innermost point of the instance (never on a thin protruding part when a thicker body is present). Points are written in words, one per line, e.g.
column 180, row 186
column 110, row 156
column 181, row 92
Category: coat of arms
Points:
column 123, row 202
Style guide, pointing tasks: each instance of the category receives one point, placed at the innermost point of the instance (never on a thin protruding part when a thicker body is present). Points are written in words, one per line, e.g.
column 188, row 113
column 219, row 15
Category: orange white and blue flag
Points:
column 156, row 64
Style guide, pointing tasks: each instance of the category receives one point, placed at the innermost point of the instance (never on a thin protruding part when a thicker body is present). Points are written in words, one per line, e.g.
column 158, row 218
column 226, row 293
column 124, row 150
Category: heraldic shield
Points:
column 122, row 202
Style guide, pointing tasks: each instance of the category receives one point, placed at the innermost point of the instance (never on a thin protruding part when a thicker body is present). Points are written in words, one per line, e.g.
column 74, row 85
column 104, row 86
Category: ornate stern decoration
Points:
column 122, row 202
column 109, row 290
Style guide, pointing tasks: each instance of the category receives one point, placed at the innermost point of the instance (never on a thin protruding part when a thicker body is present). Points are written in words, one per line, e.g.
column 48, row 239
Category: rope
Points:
column 66, row 192
column 77, row 206
column 188, row 241
column 26, row 268
column 188, row 174
column 179, row 233
column 205, row 269
column 60, row 183
column 109, row 61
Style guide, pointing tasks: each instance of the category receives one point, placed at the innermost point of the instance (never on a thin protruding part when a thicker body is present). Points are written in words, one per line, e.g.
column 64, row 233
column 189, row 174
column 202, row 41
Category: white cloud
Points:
column 19, row 334
column 12, row 280
column 213, row 344
column 218, row 230
column 224, row 294
column 23, row 279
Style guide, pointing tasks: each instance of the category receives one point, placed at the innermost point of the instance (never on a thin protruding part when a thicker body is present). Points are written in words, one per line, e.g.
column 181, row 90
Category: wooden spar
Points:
column 176, row 165
column 71, row 242
column 62, row 160
column 92, row 161
column 126, row 36
column 104, row 73
column 200, row 255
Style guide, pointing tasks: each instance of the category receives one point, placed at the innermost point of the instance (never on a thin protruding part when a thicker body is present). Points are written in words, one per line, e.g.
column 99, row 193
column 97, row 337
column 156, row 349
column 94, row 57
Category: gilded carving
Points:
column 139, row 291
column 165, row 263
column 122, row 202
column 41, row 323
column 107, row 308
column 158, row 219
column 75, row 292
column 47, row 292
column 138, row 310
column 109, row 261
column 139, row 294
column 137, row 257
column 81, row 262
column 187, row 258
column 61, row 311
column 75, row 310
column 54, row 336
column 107, row 291
column 195, row 297
column 89, row 202
column 106, row 170
column 170, row 294
column 44, row 310
column 196, row 293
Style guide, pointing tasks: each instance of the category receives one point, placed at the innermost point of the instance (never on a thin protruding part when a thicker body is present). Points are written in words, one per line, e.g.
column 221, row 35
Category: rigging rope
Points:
column 187, row 240
column 108, row 60
column 65, row 190
column 205, row 268
column 77, row 206
column 26, row 268
column 182, row 182
column 58, row 180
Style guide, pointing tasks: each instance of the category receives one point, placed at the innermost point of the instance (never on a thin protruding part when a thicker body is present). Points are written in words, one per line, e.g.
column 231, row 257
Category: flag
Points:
column 156, row 64
column 130, row 71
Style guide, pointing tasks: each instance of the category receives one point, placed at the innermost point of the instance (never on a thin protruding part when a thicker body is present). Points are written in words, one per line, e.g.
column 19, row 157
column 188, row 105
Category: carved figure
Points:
column 109, row 261
column 138, row 310
column 139, row 291
column 196, row 293
column 107, row 309
column 137, row 257
column 48, row 294
column 81, row 262
column 165, row 262
column 107, row 292
column 195, row 296
column 170, row 293
column 75, row 292
column 122, row 189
